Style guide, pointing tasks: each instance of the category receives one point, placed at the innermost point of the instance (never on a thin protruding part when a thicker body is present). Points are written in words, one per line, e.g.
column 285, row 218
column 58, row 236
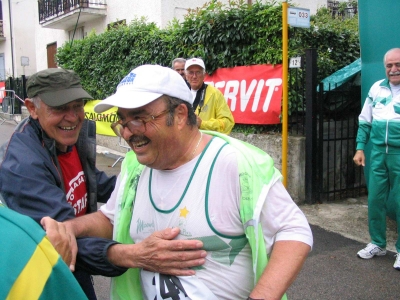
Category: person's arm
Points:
column 288, row 239
column 363, row 132
column 365, row 121
column 159, row 252
column 30, row 183
column 286, row 261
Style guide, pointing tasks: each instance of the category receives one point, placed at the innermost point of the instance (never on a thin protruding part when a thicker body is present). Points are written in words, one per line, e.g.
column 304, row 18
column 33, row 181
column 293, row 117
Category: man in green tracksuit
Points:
column 379, row 122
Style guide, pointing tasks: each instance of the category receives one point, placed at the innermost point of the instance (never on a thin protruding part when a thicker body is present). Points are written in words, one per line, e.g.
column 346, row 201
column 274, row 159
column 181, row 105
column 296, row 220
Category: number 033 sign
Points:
column 299, row 17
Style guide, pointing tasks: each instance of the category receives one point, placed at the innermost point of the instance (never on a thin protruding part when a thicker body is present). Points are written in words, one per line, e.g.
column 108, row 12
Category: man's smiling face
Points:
column 392, row 66
column 61, row 123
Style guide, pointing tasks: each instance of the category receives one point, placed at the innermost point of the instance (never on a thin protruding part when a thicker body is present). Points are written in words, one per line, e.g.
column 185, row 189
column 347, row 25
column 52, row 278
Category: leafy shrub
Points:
column 223, row 35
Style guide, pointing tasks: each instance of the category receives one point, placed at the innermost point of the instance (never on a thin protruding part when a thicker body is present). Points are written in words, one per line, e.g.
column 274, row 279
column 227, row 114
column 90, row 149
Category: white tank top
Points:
column 169, row 199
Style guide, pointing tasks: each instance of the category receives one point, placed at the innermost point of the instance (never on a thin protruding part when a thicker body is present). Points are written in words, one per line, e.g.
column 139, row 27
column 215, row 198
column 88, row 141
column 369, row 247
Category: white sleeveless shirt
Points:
column 172, row 200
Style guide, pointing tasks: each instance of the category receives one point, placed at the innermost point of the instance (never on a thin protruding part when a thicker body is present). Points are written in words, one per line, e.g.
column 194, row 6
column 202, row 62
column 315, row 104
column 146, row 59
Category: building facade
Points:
column 17, row 38
column 33, row 30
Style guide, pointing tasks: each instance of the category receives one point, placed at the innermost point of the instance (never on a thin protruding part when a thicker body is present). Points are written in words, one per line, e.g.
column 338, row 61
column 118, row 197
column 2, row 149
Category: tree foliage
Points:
column 229, row 35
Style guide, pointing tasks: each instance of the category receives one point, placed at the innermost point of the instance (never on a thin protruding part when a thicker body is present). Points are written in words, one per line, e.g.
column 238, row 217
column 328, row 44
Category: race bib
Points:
column 157, row 286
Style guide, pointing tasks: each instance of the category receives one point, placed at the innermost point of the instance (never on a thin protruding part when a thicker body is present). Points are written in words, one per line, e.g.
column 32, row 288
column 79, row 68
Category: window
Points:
column 78, row 34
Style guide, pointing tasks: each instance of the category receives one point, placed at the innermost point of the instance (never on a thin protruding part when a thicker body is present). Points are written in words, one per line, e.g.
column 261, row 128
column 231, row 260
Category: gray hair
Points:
column 386, row 54
column 179, row 60
column 173, row 103
column 35, row 100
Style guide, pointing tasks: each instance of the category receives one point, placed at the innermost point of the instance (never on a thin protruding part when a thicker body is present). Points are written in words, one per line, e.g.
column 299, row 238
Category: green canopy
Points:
column 344, row 75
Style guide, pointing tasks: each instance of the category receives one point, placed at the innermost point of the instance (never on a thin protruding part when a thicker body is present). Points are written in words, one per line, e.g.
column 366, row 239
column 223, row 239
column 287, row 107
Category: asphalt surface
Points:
column 332, row 270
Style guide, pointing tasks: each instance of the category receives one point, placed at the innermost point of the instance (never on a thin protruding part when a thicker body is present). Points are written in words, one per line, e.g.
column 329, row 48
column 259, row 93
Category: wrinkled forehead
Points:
column 179, row 64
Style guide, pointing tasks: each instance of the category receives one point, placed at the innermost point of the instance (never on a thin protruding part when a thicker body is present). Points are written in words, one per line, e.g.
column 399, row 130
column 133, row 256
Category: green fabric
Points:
column 17, row 230
column 342, row 76
column 256, row 174
column 127, row 286
column 376, row 22
column 384, row 172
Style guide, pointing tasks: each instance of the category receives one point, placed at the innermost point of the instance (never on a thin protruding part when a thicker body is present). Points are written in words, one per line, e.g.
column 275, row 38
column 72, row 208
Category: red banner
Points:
column 2, row 91
column 253, row 93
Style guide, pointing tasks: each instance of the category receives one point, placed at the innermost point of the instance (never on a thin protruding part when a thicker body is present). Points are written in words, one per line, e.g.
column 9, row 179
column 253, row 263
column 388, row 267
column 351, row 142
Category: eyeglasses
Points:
column 139, row 123
column 192, row 73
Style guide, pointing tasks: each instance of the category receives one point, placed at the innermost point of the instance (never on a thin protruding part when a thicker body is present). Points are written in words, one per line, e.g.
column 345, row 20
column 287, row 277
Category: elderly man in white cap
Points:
column 213, row 113
column 214, row 188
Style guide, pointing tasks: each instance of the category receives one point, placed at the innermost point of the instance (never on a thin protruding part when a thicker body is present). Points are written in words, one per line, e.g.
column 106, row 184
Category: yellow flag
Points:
column 103, row 120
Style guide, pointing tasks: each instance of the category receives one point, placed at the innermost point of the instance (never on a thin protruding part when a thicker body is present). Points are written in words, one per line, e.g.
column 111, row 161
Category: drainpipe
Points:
column 11, row 37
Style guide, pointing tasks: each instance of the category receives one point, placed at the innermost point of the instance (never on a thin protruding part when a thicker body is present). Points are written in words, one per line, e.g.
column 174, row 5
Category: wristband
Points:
column 249, row 298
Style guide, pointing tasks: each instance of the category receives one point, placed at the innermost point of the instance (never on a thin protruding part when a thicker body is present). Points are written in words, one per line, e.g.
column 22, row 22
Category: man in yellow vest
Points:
column 213, row 113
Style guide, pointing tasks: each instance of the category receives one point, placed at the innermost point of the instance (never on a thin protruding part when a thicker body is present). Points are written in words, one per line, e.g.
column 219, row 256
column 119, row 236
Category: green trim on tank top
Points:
column 187, row 185
column 206, row 201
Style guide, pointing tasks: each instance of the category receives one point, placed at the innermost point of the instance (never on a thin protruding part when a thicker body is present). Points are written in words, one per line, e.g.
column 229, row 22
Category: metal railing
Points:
column 329, row 121
column 342, row 9
column 49, row 9
column 8, row 106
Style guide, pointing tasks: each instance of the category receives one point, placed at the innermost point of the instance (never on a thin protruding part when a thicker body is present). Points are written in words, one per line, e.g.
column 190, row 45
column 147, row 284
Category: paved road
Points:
column 332, row 270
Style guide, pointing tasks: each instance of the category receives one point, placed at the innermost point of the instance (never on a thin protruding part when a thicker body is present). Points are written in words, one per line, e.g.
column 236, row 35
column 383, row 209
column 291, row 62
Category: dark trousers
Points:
column 86, row 283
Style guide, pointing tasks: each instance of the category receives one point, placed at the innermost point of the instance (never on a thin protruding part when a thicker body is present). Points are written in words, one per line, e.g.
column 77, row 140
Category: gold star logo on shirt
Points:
column 184, row 212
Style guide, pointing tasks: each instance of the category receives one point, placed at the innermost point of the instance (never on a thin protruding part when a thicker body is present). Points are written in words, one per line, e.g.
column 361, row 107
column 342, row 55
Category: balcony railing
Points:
column 53, row 9
column 342, row 9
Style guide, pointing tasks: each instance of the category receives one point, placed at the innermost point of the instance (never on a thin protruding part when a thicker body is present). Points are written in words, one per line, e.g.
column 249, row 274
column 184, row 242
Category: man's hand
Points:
column 62, row 240
column 359, row 158
column 159, row 253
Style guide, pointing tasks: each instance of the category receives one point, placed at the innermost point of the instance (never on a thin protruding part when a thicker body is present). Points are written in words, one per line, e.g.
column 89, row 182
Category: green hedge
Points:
column 223, row 35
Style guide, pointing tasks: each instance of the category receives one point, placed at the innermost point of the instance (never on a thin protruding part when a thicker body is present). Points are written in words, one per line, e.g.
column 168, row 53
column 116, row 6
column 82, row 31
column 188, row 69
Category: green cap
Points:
column 56, row 86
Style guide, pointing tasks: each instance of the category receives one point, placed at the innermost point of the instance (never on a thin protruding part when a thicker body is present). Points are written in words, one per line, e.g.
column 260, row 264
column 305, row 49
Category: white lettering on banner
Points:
column 273, row 84
column 232, row 91
column 245, row 95
column 234, row 86
column 257, row 95
column 219, row 85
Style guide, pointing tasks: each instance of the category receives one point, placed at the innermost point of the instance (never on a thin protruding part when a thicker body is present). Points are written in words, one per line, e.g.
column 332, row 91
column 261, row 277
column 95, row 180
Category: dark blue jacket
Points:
column 31, row 183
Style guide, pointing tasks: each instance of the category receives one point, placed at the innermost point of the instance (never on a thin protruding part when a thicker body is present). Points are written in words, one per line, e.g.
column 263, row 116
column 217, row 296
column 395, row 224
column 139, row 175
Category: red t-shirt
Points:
column 74, row 181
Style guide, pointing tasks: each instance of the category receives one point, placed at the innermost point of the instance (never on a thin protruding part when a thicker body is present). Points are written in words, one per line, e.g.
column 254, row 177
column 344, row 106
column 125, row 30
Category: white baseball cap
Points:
column 145, row 84
column 194, row 61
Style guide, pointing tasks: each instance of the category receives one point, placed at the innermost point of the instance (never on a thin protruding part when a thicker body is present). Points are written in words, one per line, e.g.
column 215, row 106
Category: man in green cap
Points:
column 47, row 168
